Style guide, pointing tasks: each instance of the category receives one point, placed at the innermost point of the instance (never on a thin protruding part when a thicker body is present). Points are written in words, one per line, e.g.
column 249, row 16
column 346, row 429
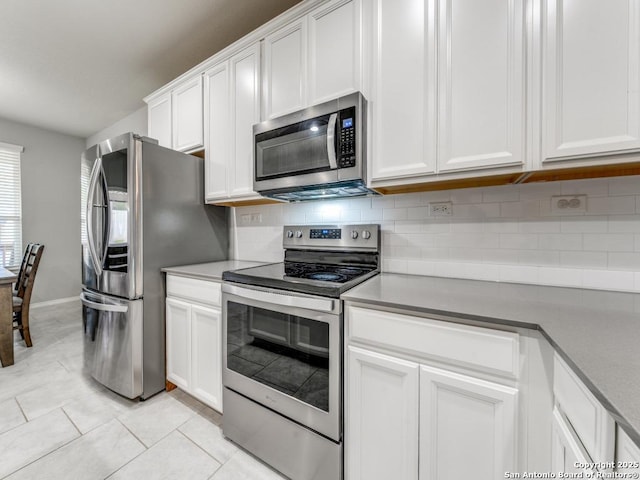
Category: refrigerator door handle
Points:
column 102, row 306
column 93, row 182
column 107, row 216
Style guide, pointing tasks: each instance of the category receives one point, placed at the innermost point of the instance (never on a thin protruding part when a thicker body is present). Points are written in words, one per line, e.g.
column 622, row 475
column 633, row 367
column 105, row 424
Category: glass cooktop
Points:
column 312, row 278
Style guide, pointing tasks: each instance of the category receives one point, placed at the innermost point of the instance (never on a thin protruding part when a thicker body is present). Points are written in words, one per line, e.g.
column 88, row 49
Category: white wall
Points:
column 50, row 171
column 135, row 122
column 496, row 233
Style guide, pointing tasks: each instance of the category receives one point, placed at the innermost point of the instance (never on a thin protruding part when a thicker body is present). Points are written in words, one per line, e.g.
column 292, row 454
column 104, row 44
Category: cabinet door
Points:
column 206, row 376
column 179, row 343
column 245, row 108
column 627, row 454
column 591, row 65
column 187, row 115
column 481, row 115
column 159, row 118
column 402, row 107
column 467, row 427
column 566, row 450
column 218, row 132
column 334, row 50
column 381, row 437
column 285, row 69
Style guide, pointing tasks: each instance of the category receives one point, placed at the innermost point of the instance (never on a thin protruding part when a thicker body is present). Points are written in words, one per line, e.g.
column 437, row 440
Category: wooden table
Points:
column 6, row 316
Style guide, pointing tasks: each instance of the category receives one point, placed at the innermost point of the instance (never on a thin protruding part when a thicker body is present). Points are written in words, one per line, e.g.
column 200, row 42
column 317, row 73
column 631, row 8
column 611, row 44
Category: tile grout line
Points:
column 117, row 419
column 48, row 453
column 201, row 448
column 72, row 422
column 137, row 456
column 21, row 410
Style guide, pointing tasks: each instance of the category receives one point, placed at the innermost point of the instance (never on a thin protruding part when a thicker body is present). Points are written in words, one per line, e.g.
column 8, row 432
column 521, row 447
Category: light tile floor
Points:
column 56, row 422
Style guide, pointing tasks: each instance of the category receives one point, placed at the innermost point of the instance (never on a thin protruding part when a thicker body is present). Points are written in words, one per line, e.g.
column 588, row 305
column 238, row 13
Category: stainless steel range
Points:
column 283, row 328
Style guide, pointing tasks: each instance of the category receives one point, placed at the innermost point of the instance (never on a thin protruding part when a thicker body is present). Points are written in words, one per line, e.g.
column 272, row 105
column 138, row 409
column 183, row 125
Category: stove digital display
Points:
column 331, row 233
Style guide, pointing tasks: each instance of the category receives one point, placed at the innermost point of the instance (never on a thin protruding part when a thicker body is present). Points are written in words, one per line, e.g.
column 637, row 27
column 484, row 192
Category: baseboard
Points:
column 58, row 301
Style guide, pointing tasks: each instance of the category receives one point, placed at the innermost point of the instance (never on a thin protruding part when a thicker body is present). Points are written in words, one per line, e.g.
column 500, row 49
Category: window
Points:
column 10, row 206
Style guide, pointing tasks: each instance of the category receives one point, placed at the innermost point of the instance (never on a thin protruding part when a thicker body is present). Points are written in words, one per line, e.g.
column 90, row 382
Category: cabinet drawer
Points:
column 590, row 420
column 475, row 348
column 201, row 291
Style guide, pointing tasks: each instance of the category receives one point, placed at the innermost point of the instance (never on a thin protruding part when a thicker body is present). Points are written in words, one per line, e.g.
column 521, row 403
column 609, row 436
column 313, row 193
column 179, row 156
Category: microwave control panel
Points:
column 347, row 147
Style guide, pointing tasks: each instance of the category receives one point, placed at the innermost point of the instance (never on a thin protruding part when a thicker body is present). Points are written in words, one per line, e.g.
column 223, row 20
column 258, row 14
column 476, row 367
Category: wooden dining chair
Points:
column 24, row 287
column 25, row 259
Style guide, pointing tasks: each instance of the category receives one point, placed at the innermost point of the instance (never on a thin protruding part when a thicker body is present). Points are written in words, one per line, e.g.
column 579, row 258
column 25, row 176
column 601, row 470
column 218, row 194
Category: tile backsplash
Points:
column 512, row 233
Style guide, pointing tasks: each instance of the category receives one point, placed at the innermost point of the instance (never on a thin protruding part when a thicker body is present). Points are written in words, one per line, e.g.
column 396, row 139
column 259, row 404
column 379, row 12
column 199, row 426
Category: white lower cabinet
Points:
column 407, row 418
column 567, row 452
column 206, row 374
column 627, row 454
column 582, row 425
column 381, row 416
column 194, row 339
column 467, row 426
column 179, row 342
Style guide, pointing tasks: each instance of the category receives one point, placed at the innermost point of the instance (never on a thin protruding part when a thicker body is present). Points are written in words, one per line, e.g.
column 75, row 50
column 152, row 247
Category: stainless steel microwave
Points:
column 318, row 152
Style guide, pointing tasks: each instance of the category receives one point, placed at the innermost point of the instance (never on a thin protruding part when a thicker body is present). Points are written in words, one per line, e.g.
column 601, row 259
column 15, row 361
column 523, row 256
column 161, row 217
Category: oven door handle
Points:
column 283, row 299
column 331, row 145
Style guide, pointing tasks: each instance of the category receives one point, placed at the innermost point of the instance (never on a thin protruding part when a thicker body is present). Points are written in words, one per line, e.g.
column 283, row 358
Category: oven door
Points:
column 282, row 350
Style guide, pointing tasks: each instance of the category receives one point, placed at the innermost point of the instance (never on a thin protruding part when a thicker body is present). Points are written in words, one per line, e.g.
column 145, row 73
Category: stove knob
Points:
column 366, row 234
column 289, row 234
column 354, row 234
column 299, row 234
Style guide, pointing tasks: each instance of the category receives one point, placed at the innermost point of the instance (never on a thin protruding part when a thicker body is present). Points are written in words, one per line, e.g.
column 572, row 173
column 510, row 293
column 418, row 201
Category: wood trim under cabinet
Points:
column 169, row 386
column 245, row 203
column 549, row 175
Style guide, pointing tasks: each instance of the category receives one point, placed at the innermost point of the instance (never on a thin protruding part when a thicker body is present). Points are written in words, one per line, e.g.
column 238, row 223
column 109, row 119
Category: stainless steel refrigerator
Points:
column 142, row 209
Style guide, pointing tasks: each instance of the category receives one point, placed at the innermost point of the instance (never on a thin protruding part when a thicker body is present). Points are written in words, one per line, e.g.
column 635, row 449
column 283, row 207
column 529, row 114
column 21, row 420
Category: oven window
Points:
column 285, row 352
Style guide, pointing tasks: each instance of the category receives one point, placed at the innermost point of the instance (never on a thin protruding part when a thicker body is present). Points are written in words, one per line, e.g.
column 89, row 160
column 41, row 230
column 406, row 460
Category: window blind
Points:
column 10, row 205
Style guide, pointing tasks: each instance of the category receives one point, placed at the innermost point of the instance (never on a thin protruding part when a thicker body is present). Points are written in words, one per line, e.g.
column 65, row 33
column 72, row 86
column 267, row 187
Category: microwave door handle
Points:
column 93, row 181
column 331, row 145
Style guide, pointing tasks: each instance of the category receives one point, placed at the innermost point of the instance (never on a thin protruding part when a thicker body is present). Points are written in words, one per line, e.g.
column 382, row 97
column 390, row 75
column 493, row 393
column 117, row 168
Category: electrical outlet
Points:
column 250, row 218
column 568, row 204
column 440, row 209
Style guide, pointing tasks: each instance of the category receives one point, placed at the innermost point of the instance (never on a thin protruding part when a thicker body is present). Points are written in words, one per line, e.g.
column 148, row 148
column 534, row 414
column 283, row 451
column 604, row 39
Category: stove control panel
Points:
column 325, row 233
column 332, row 237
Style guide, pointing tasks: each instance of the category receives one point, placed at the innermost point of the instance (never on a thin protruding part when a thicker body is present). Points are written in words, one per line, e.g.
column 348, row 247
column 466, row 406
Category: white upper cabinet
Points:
column 159, row 118
column 232, row 107
column 448, row 83
column 175, row 117
column 591, row 81
column 334, row 50
column 187, row 115
column 217, row 131
column 402, row 108
column 285, row 69
column 245, row 109
column 481, row 83
column 312, row 59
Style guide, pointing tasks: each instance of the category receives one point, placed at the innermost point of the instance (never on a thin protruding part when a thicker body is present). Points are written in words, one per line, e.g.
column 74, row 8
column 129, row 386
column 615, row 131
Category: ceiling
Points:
column 78, row 66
